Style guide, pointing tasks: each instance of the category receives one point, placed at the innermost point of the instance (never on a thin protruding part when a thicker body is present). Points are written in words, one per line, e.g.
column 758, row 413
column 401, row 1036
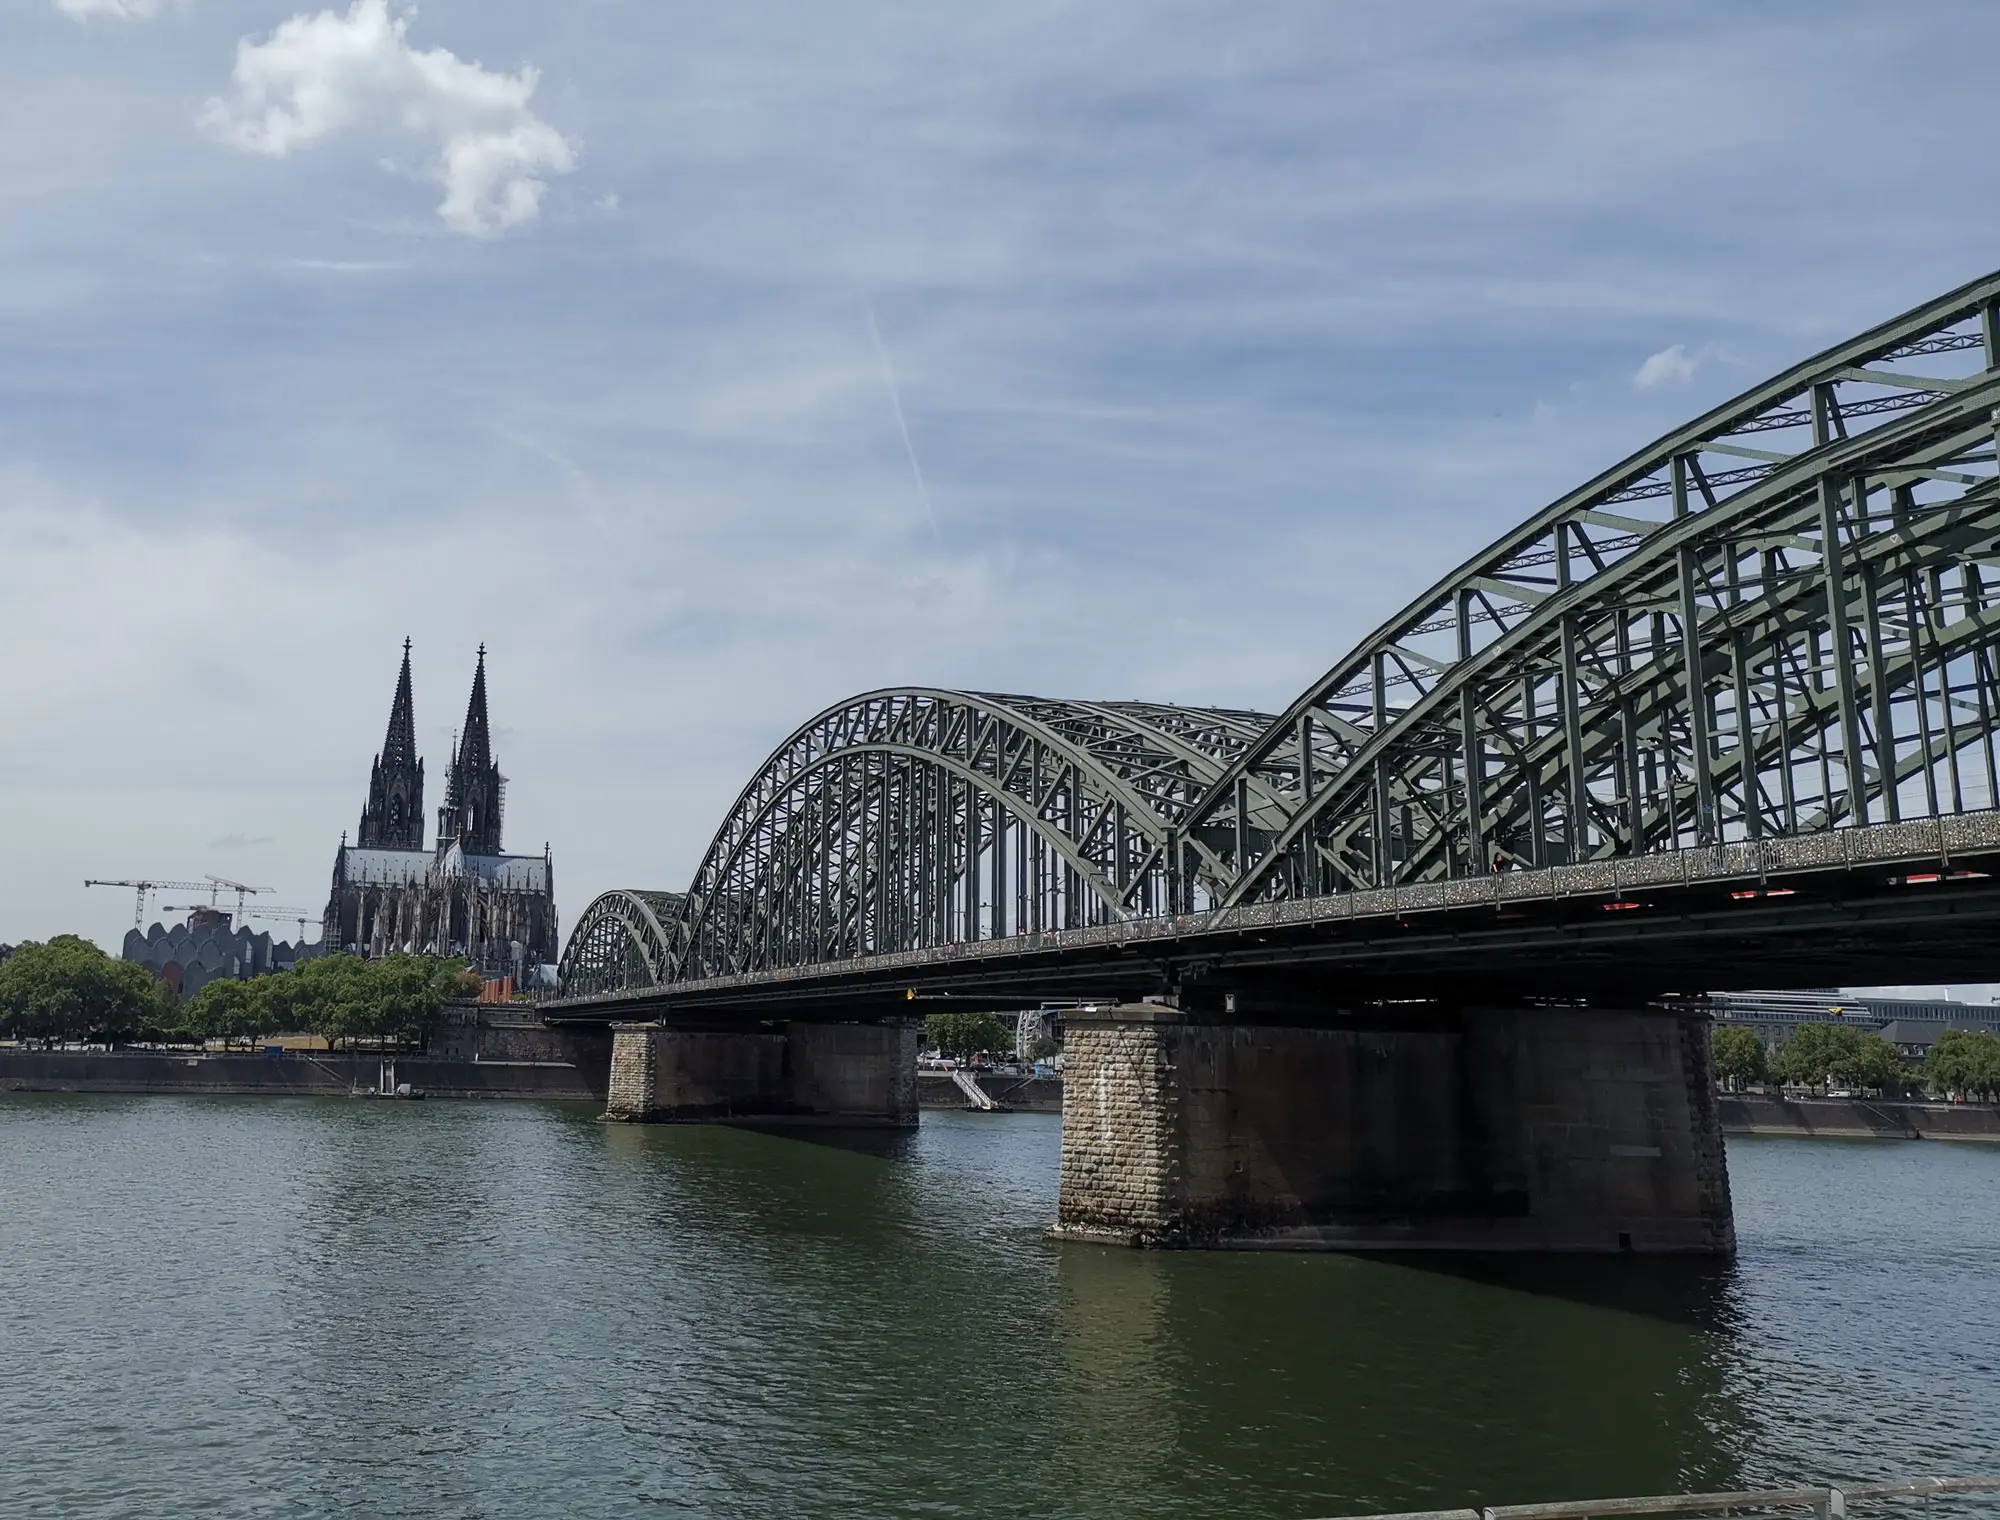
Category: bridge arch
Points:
column 1813, row 561
column 913, row 817
column 624, row 939
column 1777, row 619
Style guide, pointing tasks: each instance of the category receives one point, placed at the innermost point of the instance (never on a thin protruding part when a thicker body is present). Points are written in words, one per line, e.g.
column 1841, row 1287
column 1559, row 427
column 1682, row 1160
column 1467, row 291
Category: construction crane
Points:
column 142, row 888
column 300, row 916
column 212, row 885
column 237, row 887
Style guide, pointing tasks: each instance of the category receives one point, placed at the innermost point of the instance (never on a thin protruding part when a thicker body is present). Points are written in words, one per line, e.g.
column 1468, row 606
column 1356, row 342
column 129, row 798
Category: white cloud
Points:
column 1137, row 266
column 117, row 10
column 1670, row 366
column 319, row 75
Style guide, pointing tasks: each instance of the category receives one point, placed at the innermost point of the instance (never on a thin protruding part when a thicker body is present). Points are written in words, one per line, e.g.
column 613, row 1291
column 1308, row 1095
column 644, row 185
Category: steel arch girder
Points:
column 625, row 924
column 1536, row 565
column 953, row 732
column 1913, row 447
column 1677, row 461
column 1658, row 691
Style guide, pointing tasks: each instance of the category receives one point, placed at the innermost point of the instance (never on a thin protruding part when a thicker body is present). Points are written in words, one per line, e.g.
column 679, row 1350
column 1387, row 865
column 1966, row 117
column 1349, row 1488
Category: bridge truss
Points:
column 1775, row 621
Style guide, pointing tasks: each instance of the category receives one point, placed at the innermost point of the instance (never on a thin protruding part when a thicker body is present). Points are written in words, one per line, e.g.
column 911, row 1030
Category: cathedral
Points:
column 465, row 897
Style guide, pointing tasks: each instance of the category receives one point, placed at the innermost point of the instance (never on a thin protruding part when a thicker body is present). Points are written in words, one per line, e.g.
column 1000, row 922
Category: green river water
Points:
column 218, row 1308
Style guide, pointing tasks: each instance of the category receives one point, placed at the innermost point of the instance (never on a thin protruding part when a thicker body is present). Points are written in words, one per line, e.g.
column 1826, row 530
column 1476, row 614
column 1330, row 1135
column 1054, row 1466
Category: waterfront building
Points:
column 464, row 897
column 1914, row 1037
column 207, row 948
column 1910, row 1024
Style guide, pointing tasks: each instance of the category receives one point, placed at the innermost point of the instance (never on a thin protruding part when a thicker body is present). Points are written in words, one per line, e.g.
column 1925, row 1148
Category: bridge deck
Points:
column 1916, row 901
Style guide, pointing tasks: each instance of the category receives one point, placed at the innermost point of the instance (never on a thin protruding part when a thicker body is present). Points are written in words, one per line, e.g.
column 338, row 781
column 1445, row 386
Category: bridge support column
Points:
column 794, row 1071
column 662, row 1074
column 854, row 1073
column 1473, row 1129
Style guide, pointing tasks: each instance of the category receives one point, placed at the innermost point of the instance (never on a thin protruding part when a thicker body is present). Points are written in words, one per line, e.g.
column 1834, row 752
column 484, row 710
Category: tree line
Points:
column 1962, row 1063
column 69, row 990
column 962, row 1036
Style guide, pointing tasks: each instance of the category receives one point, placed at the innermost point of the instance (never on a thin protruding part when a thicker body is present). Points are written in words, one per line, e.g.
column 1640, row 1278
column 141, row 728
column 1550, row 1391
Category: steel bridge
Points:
column 1724, row 715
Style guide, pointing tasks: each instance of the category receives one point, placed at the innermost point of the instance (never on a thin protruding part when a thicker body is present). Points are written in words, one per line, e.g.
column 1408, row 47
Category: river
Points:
column 222, row 1307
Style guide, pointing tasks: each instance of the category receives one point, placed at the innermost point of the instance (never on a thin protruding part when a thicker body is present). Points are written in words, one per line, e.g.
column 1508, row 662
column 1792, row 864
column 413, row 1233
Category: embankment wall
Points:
column 1026, row 1095
column 130, row 1071
column 1857, row 1118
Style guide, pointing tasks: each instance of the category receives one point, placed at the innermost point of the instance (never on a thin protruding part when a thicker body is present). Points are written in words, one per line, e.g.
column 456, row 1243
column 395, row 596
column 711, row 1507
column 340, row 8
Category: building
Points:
column 1774, row 1015
column 465, row 896
column 208, row 948
column 1911, row 1025
column 1914, row 1037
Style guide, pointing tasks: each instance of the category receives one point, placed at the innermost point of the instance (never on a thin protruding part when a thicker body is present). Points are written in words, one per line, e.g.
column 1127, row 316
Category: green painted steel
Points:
column 1775, row 621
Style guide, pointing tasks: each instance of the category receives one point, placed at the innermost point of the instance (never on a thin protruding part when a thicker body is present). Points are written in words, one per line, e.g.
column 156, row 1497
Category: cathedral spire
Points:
column 393, row 818
column 474, row 795
column 399, row 747
column 475, row 746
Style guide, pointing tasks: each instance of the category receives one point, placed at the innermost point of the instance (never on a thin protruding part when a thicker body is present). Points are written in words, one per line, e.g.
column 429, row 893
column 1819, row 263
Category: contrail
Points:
column 902, row 422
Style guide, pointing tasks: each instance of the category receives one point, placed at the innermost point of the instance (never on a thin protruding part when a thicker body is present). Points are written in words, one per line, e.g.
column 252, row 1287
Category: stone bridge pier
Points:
column 792, row 1070
column 1399, row 1128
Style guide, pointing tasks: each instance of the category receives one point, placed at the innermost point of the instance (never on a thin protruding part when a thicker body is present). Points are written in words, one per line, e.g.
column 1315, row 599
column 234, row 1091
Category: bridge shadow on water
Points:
column 1330, row 1384
column 1077, row 1380
column 1698, row 1292
column 880, row 1141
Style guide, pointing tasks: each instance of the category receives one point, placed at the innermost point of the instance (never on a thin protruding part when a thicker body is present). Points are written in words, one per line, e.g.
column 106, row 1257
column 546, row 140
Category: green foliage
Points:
column 1811, row 1052
column 1738, row 1054
column 341, row 997
column 1871, row 1061
column 1815, row 1055
column 229, row 1011
column 68, row 989
column 1964, row 1061
column 963, row 1035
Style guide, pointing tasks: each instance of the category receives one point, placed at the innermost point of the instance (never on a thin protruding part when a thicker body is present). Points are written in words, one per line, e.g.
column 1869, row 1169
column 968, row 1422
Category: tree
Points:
column 410, row 994
column 229, row 1011
column 964, row 1035
column 1870, row 1061
column 68, row 989
column 342, row 997
column 332, row 996
column 1964, row 1061
column 1738, row 1054
column 1811, row 1052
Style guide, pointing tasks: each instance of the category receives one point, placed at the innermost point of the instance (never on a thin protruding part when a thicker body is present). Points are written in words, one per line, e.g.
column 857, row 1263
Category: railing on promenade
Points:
column 1825, row 1503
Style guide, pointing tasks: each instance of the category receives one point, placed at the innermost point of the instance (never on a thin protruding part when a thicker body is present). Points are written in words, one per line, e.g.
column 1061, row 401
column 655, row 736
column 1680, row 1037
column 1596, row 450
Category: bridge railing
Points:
column 1929, row 844
column 1825, row 1503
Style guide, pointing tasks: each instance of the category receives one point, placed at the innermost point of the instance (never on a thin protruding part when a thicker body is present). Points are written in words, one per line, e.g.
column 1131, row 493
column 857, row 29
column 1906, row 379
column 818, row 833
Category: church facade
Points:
column 465, row 896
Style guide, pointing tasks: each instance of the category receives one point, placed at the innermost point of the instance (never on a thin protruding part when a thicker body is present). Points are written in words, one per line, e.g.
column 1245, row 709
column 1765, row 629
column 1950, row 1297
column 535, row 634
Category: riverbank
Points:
column 300, row 1076
column 469, row 1070
column 1027, row 1095
column 1857, row 1118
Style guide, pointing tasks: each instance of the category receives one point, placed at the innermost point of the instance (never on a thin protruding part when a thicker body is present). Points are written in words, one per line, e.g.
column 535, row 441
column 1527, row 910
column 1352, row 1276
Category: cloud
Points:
column 323, row 74
column 241, row 841
column 1670, row 366
column 1143, row 270
column 116, row 10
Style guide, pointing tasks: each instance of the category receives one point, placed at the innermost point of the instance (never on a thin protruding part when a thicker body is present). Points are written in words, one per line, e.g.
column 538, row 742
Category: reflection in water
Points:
column 1697, row 1291
column 1350, row 1384
column 1122, row 1418
column 244, row 1307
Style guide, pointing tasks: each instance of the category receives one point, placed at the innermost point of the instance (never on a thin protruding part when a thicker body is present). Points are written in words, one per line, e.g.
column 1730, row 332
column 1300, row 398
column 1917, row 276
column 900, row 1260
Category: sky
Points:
column 711, row 364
